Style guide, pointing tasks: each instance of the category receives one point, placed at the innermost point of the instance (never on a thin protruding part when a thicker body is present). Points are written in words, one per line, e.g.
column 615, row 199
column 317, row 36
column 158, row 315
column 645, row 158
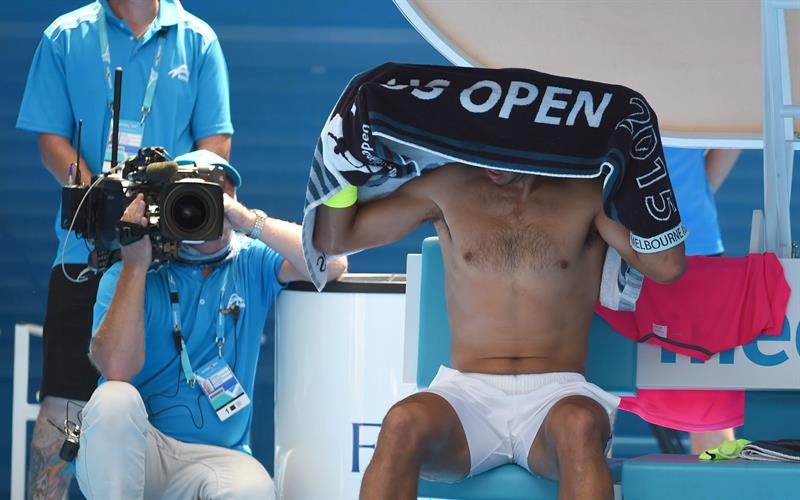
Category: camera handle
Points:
column 130, row 232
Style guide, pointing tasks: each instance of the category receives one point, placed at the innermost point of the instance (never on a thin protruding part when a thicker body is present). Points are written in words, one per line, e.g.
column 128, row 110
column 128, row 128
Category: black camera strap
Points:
column 131, row 232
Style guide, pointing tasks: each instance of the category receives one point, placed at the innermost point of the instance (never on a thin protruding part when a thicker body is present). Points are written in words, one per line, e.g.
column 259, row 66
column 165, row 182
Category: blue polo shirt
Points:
column 175, row 408
column 67, row 83
column 687, row 172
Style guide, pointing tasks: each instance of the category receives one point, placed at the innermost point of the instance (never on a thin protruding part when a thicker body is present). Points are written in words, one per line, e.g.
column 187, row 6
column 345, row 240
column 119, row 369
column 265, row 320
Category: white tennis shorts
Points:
column 501, row 414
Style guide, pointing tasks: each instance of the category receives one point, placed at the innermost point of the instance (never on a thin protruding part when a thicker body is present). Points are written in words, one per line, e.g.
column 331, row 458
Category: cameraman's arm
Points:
column 285, row 238
column 57, row 153
column 118, row 346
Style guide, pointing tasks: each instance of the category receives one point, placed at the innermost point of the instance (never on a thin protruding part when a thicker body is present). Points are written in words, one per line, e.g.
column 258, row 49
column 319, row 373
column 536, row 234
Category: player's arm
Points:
column 662, row 267
column 377, row 222
column 286, row 238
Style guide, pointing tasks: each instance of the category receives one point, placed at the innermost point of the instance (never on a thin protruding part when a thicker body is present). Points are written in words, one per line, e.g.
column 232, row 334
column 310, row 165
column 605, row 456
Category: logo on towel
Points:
column 660, row 242
column 181, row 72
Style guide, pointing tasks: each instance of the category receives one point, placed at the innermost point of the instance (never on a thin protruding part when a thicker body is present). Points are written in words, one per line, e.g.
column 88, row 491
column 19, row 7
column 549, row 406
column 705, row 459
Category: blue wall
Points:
column 288, row 62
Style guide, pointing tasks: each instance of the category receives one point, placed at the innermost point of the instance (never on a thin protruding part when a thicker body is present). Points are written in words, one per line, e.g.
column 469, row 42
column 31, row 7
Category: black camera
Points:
column 183, row 205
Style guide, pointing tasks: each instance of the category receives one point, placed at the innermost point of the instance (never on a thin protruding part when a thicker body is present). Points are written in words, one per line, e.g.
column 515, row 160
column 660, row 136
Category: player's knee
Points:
column 403, row 427
column 578, row 424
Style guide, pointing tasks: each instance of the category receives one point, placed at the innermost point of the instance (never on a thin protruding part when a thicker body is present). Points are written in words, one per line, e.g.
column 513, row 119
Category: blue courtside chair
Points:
column 611, row 365
column 768, row 415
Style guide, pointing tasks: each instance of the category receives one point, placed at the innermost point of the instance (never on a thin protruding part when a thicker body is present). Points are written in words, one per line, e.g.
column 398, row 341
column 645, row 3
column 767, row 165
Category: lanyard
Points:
column 105, row 55
column 177, row 334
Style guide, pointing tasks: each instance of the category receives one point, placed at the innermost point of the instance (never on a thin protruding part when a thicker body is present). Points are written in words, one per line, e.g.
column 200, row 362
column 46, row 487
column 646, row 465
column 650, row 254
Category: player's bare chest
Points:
column 506, row 239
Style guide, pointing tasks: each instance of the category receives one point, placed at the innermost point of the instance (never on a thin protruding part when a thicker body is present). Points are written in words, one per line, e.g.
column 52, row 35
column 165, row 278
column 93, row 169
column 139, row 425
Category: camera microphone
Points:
column 161, row 172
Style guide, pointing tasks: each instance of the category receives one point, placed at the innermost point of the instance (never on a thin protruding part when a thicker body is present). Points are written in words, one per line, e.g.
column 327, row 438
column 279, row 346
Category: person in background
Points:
column 696, row 175
column 174, row 94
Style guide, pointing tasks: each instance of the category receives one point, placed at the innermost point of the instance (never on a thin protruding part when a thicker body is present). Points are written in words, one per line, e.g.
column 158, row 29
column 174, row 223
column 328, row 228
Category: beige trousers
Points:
column 122, row 456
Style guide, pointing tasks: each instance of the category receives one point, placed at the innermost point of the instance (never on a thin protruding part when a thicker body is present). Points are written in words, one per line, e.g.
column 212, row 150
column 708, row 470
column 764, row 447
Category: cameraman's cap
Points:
column 205, row 157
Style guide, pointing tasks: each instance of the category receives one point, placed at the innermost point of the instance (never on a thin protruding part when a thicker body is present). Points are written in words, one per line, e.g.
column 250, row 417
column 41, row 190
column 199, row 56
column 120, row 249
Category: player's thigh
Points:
column 425, row 427
column 573, row 423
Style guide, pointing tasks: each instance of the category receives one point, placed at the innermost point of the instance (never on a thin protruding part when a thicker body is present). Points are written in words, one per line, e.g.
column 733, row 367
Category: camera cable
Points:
column 234, row 310
column 83, row 276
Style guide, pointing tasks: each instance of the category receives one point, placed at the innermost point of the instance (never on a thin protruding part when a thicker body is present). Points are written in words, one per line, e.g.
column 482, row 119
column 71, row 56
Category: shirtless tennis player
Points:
column 523, row 256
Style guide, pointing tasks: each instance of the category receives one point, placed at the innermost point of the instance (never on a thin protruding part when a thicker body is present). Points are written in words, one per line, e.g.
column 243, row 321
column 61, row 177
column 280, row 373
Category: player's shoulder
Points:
column 430, row 181
column 583, row 193
column 445, row 180
column 448, row 174
column 73, row 20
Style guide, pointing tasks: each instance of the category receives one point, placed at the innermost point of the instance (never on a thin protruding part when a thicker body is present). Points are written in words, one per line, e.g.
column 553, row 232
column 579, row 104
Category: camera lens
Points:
column 189, row 212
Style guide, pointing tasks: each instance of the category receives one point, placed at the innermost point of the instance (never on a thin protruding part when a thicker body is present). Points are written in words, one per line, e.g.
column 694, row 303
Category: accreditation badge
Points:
column 222, row 389
column 130, row 140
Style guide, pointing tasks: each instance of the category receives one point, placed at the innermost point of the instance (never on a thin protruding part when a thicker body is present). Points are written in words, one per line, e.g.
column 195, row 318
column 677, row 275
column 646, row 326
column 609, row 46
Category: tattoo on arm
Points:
column 48, row 476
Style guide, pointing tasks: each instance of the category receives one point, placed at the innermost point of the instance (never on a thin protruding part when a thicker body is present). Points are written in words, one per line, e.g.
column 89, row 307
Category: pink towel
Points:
column 687, row 410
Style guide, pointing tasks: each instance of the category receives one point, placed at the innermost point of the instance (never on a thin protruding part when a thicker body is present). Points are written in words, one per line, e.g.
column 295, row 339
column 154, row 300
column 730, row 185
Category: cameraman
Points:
column 184, row 107
column 150, row 430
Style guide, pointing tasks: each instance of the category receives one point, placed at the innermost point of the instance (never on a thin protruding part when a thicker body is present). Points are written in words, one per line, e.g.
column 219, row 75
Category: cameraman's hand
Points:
column 237, row 216
column 138, row 254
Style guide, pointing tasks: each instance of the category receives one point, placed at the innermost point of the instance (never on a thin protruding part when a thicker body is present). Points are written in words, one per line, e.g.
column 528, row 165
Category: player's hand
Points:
column 140, row 253
column 237, row 216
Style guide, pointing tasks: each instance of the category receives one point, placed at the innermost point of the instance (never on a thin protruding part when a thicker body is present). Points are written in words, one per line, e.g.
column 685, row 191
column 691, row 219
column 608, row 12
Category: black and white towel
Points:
column 395, row 121
column 783, row 450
